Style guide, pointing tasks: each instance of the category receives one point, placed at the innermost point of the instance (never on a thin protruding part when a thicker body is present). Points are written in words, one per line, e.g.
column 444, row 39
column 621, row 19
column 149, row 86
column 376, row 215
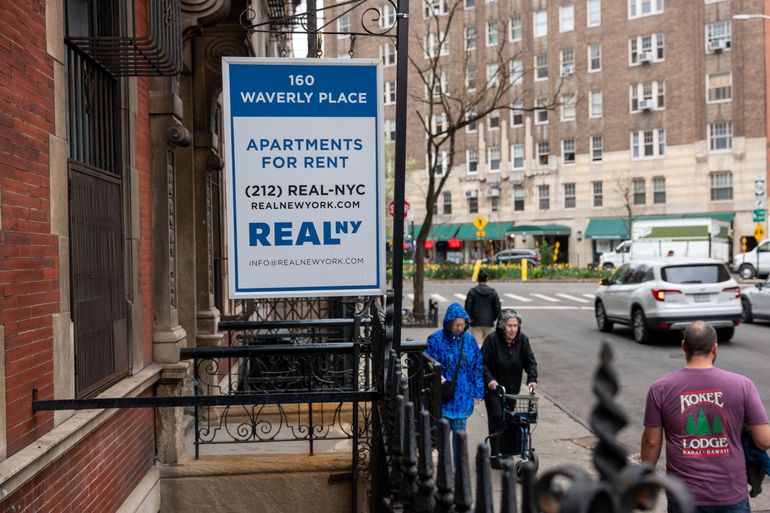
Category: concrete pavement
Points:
column 559, row 439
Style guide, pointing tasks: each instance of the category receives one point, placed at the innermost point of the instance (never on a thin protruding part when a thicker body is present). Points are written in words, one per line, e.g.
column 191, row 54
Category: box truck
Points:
column 686, row 237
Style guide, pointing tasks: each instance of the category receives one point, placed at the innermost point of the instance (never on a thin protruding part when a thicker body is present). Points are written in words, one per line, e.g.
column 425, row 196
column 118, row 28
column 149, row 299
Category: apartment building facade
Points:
column 656, row 108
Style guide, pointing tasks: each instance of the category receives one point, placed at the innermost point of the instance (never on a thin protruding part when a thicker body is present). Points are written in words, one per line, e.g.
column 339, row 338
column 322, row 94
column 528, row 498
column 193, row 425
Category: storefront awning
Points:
column 493, row 231
column 438, row 231
column 722, row 216
column 543, row 229
column 607, row 228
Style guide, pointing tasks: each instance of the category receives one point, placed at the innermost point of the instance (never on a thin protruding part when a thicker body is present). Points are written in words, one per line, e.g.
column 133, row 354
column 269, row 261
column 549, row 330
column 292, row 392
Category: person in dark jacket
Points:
column 507, row 355
column 483, row 305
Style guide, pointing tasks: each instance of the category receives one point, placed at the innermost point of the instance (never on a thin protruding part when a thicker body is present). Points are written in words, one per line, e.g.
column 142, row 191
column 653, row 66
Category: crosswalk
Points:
column 528, row 301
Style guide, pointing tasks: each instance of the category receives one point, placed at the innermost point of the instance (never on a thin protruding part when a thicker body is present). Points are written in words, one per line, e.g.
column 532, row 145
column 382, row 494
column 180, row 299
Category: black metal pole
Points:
column 402, row 63
column 312, row 24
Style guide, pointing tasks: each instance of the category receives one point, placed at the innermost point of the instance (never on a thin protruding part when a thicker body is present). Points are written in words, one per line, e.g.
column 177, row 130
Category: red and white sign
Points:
column 392, row 208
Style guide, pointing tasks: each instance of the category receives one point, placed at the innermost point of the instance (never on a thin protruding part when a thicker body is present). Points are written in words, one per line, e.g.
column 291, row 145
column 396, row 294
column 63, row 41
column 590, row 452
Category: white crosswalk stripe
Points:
column 519, row 298
column 573, row 298
column 461, row 297
column 547, row 298
column 589, row 296
column 439, row 297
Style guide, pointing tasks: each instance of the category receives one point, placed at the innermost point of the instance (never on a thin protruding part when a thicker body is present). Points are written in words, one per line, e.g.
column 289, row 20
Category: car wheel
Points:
column 746, row 316
column 639, row 324
column 604, row 325
column 608, row 266
column 725, row 334
column 746, row 271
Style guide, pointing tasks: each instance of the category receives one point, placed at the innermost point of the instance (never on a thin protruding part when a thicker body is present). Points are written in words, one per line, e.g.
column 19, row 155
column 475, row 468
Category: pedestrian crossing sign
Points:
column 480, row 222
column 759, row 232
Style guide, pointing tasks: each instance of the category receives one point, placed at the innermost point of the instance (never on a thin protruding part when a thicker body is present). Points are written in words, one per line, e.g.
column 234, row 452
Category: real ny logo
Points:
column 703, row 437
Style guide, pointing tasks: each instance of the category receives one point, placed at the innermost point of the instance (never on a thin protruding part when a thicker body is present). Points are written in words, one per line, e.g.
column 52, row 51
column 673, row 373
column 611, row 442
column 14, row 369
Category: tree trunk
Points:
column 418, row 280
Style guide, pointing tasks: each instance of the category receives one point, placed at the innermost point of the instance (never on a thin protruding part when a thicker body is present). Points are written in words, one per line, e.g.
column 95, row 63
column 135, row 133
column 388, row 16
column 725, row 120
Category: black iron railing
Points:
column 410, row 483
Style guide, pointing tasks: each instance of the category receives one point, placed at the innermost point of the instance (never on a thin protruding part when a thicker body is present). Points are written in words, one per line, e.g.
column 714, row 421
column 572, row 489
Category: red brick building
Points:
column 109, row 165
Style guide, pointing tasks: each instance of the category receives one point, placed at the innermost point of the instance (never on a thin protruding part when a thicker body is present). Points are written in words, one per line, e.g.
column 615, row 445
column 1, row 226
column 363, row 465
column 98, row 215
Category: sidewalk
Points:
column 559, row 439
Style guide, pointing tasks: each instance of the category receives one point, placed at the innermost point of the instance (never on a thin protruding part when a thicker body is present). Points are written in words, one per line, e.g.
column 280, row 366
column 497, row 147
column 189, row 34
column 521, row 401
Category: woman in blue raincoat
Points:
column 444, row 346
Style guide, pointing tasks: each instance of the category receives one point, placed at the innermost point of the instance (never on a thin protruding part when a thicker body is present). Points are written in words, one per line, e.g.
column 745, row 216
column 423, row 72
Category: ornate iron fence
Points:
column 406, row 464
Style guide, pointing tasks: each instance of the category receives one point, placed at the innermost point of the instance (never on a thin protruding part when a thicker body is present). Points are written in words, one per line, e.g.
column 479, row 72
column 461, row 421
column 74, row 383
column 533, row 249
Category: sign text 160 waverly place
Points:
column 304, row 177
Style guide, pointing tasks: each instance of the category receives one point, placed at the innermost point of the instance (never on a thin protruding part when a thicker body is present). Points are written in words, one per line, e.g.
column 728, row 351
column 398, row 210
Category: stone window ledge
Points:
column 19, row 468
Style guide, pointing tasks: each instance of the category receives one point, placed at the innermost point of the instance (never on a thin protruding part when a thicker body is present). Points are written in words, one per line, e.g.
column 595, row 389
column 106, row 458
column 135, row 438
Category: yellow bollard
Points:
column 524, row 263
column 476, row 269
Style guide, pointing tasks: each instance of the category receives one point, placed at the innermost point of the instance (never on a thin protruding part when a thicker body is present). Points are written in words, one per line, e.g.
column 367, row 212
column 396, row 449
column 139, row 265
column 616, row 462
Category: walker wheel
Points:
column 519, row 467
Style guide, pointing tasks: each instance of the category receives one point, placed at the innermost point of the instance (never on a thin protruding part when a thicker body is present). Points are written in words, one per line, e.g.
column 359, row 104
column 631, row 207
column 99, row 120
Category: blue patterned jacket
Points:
column 444, row 347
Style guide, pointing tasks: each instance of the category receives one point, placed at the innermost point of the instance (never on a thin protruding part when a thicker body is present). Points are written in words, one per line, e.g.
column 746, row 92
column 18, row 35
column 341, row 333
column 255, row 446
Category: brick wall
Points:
column 29, row 273
column 98, row 474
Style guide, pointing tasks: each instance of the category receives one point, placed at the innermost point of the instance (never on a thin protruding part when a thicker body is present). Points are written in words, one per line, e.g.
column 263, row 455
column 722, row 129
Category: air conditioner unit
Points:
column 471, row 194
column 567, row 69
column 492, row 193
column 646, row 104
column 717, row 45
column 645, row 57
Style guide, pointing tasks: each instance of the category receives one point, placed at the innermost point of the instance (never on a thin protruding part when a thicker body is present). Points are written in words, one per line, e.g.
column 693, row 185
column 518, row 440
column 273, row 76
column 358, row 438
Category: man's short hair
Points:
column 483, row 276
column 699, row 338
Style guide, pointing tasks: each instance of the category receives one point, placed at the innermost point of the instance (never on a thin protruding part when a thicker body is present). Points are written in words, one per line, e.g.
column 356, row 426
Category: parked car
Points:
column 515, row 256
column 753, row 263
column 756, row 302
column 669, row 294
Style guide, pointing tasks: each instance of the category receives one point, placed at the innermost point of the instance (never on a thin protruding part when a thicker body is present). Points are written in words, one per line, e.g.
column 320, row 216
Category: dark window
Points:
column 621, row 274
column 706, row 273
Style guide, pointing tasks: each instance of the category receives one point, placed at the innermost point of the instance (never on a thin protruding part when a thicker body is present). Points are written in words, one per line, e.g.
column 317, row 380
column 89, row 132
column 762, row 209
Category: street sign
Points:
column 305, row 178
column 481, row 233
column 392, row 208
column 759, row 232
column 759, row 215
column 480, row 222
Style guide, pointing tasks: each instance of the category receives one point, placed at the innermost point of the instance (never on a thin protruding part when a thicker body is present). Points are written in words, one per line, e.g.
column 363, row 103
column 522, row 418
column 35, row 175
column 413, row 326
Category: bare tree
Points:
column 450, row 104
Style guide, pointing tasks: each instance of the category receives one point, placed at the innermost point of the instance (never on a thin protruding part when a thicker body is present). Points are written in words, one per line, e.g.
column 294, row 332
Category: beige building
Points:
column 659, row 111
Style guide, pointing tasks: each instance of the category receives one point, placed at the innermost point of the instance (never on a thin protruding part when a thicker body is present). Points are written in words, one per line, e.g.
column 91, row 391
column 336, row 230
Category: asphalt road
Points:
column 559, row 320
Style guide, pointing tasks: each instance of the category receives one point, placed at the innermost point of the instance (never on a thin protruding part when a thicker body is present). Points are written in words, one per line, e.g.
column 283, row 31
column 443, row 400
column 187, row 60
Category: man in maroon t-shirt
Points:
column 702, row 410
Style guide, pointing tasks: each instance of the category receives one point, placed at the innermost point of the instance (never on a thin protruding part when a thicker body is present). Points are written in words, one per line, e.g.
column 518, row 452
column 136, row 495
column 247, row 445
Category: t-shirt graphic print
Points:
column 703, row 423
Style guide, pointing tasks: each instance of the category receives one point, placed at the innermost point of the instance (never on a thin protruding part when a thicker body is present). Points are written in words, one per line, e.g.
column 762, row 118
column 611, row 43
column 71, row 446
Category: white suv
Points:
column 669, row 294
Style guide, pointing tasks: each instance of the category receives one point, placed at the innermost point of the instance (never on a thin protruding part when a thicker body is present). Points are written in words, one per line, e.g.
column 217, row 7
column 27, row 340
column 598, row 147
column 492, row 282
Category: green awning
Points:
column 493, row 231
column 543, row 229
column 722, row 216
column 438, row 231
column 607, row 228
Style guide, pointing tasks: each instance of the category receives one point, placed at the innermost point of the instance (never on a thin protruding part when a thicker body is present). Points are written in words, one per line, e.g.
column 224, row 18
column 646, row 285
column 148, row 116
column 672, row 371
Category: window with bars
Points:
column 598, row 193
column 447, row 202
column 659, row 190
column 568, row 151
column 640, row 197
column 518, row 198
column 720, row 136
column 569, row 195
column 721, row 185
column 597, row 147
column 544, row 197
column 719, row 87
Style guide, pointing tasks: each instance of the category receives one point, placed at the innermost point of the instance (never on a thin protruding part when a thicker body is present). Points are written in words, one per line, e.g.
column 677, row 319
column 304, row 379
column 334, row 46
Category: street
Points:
column 559, row 320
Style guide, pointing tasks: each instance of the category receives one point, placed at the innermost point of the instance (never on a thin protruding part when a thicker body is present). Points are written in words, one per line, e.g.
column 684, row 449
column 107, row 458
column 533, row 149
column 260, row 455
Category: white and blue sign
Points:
column 304, row 177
